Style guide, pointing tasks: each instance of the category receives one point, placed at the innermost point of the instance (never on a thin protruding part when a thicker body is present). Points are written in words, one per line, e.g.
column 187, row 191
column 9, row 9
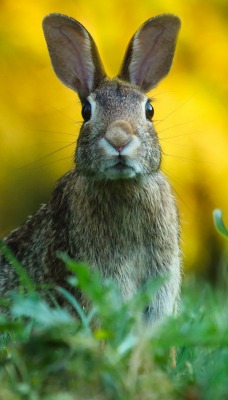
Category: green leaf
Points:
column 24, row 278
column 37, row 309
column 75, row 304
column 219, row 224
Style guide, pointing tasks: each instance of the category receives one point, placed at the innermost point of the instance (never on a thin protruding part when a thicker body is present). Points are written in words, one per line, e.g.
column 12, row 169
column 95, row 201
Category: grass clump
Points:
column 109, row 352
column 46, row 353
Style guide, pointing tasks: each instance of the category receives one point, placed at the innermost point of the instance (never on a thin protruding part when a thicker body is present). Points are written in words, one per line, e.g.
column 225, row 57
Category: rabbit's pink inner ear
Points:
column 73, row 54
column 146, row 56
column 150, row 52
column 75, row 62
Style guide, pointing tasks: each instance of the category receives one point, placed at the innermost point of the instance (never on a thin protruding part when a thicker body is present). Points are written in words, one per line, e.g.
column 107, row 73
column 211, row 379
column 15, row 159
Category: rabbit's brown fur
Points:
column 118, row 217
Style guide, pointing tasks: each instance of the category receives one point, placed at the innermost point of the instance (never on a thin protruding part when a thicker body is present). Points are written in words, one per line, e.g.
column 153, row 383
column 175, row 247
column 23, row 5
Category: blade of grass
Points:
column 73, row 301
column 24, row 278
column 219, row 224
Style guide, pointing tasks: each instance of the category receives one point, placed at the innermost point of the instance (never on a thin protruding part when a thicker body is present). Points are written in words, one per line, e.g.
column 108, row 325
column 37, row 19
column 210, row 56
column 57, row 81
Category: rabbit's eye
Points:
column 86, row 111
column 149, row 110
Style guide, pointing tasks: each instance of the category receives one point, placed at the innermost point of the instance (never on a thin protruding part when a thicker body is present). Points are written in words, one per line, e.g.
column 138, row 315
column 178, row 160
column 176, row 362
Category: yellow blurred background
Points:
column 40, row 118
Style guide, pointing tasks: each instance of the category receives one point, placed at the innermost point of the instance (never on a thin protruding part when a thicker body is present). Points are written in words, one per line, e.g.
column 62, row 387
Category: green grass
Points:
column 46, row 353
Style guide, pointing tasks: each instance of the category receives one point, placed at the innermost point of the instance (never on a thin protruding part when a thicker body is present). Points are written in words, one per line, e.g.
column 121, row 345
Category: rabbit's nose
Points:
column 119, row 134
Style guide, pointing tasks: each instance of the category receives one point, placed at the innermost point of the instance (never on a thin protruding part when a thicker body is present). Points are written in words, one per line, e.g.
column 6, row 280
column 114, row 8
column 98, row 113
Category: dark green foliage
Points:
column 108, row 352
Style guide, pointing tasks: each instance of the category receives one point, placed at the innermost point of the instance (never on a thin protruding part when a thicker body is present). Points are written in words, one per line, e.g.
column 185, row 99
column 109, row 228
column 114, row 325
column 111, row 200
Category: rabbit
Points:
column 115, row 210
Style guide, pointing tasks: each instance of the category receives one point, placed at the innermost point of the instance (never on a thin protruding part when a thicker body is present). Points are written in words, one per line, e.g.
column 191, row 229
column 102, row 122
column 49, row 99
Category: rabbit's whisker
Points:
column 182, row 134
column 54, row 132
column 177, row 182
column 48, row 155
column 52, row 162
column 174, row 111
column 59, row 111
column 186, row 158
column 171, row 127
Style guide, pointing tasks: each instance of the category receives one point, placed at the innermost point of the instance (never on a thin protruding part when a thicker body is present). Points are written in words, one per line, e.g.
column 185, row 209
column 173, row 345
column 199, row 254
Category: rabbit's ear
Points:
column 150, row 52
column 73, row 53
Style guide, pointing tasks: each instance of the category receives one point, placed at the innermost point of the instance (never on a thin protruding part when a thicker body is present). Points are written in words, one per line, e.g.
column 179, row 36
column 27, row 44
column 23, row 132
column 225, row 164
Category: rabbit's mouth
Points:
column 120, row 166
column 121, row 170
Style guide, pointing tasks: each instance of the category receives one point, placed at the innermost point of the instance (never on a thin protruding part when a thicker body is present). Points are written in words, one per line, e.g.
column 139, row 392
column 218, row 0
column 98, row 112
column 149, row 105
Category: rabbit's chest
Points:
column 128, row 237
column 124, row 259
column 116, row 246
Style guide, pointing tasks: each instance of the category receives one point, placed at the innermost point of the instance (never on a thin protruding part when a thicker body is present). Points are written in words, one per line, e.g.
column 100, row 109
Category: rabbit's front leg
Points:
column 164, row 303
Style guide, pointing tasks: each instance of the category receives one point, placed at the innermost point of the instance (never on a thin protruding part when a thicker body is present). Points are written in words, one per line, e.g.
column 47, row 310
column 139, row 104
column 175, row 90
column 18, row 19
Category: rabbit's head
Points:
column 117, row 139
